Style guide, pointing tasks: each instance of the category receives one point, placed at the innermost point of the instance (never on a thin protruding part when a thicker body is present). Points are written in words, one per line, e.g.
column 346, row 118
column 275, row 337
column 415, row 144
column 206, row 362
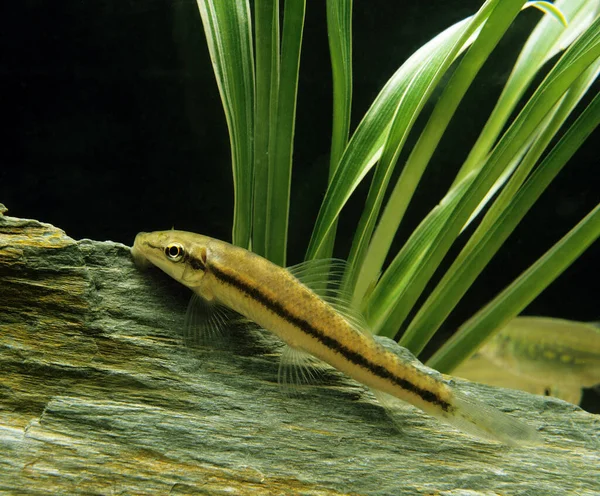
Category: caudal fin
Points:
column 473, row 417
column 481, row 420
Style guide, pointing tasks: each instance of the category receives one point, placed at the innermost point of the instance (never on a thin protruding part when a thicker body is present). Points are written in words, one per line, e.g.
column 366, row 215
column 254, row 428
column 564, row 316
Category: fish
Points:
column 318, row 325
column 542, row 355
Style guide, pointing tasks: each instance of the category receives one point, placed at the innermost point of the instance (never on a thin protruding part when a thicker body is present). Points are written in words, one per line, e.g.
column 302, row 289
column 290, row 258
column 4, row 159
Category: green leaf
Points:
column 227, row 27
column 575, row 61
column 549, row 8
column 519, row 294
column 547, row 39
column 494, row 28
column 280, row 162
column 266, row 28
column 496, row 227
column 339, row 28
column 366, row 144
column 380, row 304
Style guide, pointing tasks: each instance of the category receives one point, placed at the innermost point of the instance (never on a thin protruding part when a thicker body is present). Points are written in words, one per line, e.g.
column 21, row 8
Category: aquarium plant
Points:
column 527, row 140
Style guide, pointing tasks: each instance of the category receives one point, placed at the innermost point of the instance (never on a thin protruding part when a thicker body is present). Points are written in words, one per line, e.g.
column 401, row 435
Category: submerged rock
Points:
column 100, row 396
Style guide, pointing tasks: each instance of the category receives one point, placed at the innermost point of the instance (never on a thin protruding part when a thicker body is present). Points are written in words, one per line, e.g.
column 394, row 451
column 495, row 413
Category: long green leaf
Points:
column 519, row 294
column 406, row 263
column 575, row 61
column 365, row 146
column 358, row 251
column 266, row 28
column 494, row 28
column 227, row 27
column 280, row 163
column 339, row 29
column 507, row 211
column 547, row 39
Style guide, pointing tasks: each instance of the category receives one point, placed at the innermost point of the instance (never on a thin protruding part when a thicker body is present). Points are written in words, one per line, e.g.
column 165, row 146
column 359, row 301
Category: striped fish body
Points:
column 278, row 301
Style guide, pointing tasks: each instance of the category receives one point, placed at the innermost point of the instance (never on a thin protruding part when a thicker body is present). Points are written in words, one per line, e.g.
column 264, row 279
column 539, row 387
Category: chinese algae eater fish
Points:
column 541, row 355
column 289, row 303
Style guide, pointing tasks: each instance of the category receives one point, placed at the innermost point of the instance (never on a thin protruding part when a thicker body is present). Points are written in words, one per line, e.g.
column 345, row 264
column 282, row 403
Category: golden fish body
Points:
column 277, row 300
column 553, row 350
column 541, row 355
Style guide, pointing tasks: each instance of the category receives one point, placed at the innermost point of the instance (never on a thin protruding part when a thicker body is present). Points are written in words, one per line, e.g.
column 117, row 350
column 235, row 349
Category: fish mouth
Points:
column 139, row 258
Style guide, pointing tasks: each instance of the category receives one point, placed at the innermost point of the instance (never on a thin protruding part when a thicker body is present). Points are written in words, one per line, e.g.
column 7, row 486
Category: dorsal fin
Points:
column 324, row 276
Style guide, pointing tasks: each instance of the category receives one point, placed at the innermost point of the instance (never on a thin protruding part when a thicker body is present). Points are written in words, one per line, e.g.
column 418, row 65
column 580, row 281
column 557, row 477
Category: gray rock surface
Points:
column 99, row 396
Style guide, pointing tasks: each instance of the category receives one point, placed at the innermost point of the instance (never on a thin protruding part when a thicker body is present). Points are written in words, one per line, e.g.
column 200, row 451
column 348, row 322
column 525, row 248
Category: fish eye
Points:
column 174, row 252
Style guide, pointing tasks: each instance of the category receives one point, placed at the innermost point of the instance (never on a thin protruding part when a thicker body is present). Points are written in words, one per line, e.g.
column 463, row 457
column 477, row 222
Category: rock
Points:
column 99, row 396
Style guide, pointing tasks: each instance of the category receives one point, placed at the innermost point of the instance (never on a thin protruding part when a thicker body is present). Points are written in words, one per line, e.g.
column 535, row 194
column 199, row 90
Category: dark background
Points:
column 112, row 124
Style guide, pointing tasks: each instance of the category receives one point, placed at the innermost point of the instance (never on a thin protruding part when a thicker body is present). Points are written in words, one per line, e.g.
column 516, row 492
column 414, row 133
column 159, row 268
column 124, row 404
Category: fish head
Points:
column 180, row 254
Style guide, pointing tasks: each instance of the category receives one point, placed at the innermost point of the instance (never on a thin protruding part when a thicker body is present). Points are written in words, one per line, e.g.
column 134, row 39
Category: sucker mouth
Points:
column 139, row 259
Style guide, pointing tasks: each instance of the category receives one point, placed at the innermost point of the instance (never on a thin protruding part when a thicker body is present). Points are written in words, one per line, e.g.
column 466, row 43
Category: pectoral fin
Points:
column 205, row 321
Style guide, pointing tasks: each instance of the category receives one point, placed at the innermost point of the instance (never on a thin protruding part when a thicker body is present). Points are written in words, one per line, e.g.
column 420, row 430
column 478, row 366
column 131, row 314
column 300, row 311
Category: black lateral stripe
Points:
column 352, row 356
column 195, row 263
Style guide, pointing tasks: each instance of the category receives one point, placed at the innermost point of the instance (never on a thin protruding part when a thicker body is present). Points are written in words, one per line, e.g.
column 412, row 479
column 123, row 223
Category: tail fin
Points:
column 481, row 420
column 473, row 417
